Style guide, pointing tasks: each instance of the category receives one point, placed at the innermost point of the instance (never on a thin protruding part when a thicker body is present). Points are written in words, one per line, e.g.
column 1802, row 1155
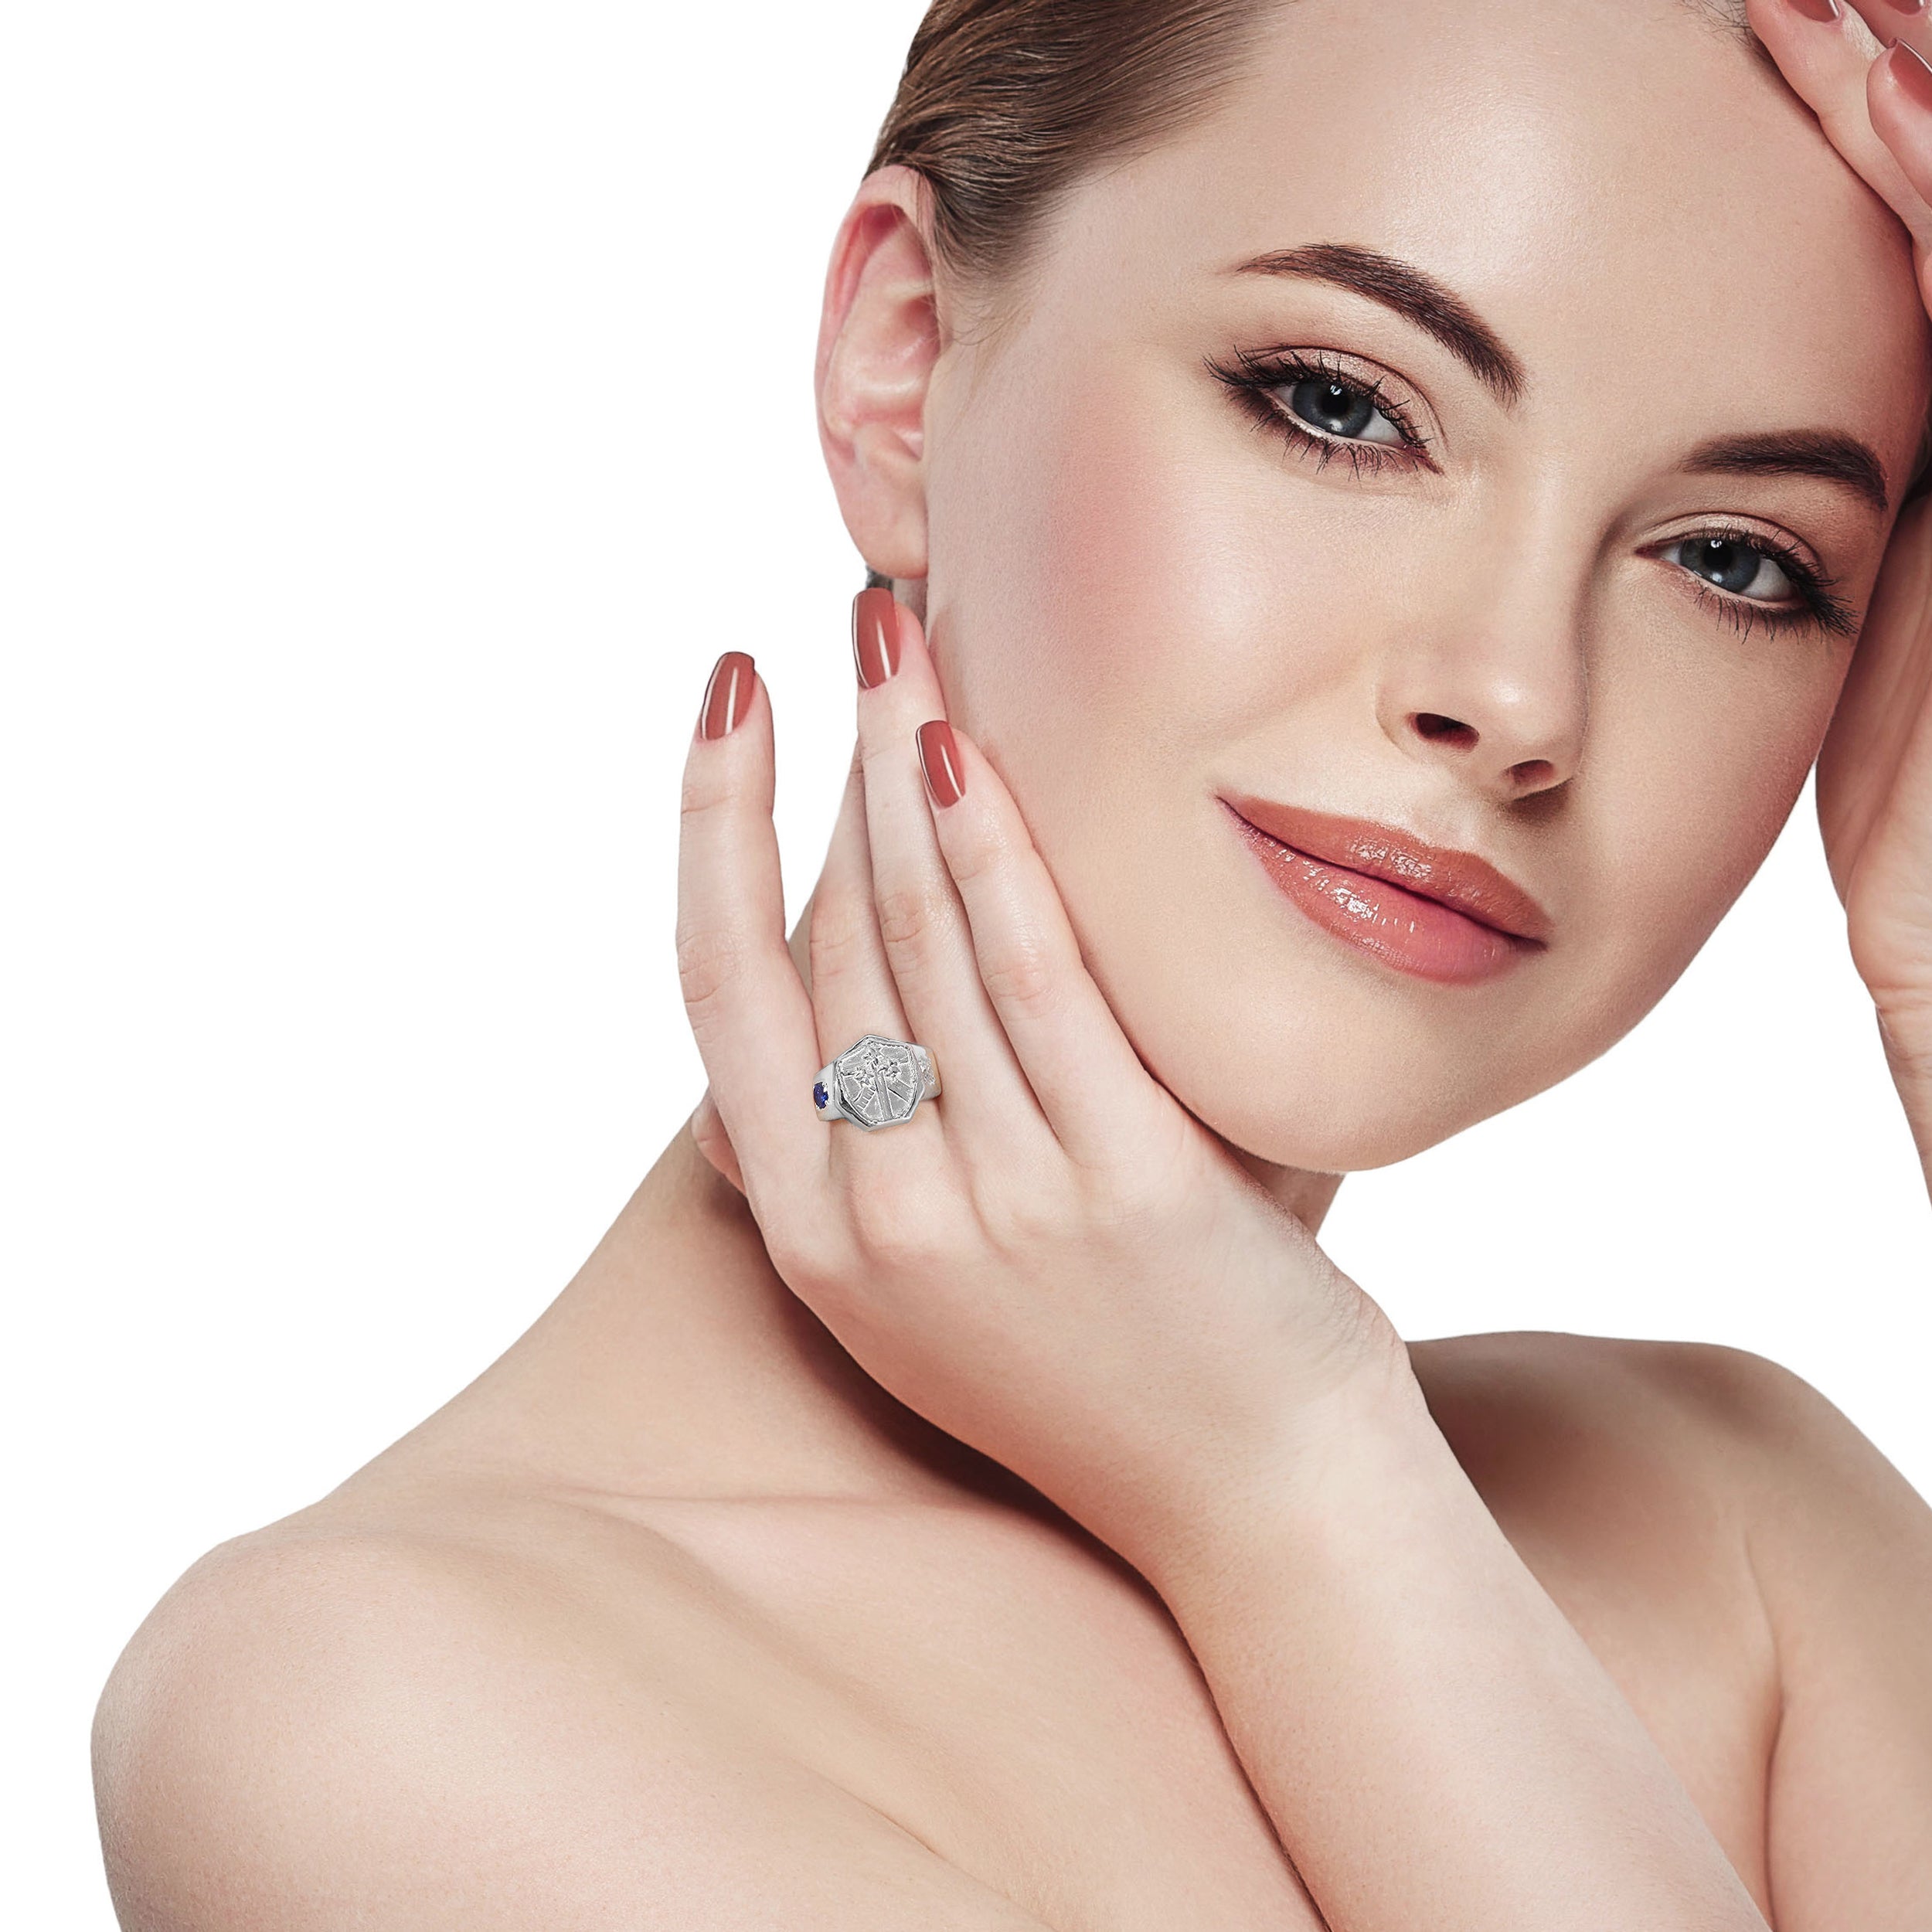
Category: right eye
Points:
column 1338, row 409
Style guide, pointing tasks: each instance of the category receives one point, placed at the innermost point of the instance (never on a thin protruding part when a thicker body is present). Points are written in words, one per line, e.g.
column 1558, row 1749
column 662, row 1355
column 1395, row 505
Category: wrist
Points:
column 1331, row 1460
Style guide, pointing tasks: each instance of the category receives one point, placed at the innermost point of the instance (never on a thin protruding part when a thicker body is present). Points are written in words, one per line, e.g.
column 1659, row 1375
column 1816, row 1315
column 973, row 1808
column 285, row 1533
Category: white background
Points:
column 400, row 407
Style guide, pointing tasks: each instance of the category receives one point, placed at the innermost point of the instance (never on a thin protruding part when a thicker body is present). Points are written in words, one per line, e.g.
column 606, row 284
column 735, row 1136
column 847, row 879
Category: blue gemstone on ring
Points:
column 820, row 1098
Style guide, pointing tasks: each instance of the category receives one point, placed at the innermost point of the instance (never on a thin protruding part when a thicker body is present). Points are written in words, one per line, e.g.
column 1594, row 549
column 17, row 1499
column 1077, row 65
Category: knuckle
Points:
column 1021, row 980
column 709, row 962
column 973, row 855
column 707, row 788
column 1131, row 1192
column 1128, row 1210
column 911, row 918
column 1020, row 1220
column 799, row 1255
column 839, row 939
column 898, row 1225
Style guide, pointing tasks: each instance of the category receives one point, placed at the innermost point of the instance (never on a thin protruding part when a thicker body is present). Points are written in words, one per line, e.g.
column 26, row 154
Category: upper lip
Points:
column 1458, row 879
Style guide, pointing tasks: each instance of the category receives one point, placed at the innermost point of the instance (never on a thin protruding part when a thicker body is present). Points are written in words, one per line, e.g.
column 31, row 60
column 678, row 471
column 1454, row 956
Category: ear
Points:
column 878, row 340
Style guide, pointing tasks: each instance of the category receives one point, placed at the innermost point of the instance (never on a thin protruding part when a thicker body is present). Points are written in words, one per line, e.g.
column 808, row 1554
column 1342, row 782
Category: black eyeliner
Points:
column 1253, row 377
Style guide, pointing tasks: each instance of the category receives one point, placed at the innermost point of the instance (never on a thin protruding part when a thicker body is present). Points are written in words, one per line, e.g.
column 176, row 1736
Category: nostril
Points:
column 1533, row 774
column 1438, row 730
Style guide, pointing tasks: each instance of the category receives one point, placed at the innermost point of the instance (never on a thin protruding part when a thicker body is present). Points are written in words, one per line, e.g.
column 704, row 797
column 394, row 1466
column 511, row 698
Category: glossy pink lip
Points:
column 1444, row 916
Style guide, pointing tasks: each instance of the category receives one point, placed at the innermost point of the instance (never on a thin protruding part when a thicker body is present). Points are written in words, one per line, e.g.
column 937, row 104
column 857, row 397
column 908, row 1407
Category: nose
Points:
column 1494, row 687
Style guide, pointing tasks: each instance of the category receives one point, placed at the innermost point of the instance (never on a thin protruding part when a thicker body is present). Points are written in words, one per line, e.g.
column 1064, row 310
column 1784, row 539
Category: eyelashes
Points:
column 1255, row 382
column 1819, row 602
column 1261, row 385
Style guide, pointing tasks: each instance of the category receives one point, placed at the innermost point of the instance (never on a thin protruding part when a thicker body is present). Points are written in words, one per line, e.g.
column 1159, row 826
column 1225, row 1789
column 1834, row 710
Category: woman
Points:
column 1368, row 531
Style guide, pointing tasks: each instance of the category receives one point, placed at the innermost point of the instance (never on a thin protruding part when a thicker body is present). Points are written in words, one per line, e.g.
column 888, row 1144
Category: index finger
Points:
column 748, row 1007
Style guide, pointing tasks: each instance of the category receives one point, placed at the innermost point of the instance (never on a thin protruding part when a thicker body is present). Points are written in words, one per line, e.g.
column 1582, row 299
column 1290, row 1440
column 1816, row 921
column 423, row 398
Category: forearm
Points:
column 1436, row 1745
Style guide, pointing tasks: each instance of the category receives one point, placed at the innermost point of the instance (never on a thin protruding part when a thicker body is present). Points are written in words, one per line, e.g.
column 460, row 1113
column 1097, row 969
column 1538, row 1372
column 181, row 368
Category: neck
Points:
column 678, row 1363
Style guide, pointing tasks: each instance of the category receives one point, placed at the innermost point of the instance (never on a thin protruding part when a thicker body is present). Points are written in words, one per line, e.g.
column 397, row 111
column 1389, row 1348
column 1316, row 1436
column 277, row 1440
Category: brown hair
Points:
column 1003, row 102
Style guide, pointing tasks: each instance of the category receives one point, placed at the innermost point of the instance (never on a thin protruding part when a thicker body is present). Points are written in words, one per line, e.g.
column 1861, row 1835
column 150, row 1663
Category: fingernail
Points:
column 939, row 758
column 1914, row 77
column 875, row 636
column 1816, row 10
column 727, row 697
column 1907, row 6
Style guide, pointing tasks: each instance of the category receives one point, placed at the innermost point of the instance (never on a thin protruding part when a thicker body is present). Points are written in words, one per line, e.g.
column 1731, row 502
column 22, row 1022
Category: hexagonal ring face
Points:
column 880, row 1083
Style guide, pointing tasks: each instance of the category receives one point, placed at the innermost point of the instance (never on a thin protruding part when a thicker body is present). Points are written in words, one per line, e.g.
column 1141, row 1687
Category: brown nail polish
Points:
column 1914, row 77
column 1907, row 6
column 1815, row 9
column 728, row 696
column 875, row 636
column 939, row 758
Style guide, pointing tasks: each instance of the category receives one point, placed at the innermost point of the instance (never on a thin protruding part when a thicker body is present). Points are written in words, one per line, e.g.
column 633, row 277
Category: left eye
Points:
column 1339, row 409
column 1737, row 567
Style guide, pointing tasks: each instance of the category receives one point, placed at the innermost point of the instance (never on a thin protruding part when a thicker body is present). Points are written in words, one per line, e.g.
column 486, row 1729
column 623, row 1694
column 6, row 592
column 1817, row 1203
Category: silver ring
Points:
column 875, row 1082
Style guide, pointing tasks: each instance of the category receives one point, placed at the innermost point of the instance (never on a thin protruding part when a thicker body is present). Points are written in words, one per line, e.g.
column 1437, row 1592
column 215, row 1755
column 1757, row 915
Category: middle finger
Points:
column 922, row 924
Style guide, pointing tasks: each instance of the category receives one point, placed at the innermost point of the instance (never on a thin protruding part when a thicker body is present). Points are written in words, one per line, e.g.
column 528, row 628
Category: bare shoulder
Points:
column 1727, row 1427
column 331, row 1724
column 1711, row 1485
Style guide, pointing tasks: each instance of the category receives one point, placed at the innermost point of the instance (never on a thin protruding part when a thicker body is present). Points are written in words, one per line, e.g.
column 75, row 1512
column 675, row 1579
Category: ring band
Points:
column 875, row 1082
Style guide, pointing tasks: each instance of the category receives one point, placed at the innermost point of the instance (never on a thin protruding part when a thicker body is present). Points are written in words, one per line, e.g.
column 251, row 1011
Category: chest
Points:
column 1024, row 1706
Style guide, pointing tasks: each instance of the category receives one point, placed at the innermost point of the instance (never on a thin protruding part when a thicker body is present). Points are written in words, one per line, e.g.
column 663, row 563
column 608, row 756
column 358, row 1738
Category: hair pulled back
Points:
column 1004, row 102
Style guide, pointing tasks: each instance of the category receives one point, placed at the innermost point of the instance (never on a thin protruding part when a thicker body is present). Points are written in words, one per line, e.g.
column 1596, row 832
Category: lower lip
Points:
column 1417, row 936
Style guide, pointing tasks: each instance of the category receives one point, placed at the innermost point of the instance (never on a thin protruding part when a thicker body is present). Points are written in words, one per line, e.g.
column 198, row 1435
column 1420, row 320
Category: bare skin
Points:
column 672, row 1619
column 738, row 1594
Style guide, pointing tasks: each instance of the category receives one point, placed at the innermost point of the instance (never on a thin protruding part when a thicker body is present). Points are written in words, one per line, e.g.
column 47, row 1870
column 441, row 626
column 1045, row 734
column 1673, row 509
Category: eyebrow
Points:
column 1418, row 297
column 1825, row 454
column 1439, row 311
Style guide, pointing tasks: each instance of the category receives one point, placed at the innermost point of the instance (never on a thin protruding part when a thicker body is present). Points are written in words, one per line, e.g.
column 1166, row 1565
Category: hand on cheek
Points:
column 1051, row 1260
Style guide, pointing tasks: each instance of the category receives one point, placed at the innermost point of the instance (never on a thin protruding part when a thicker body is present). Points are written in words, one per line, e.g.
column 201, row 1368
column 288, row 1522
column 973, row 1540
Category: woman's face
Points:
column 1261, row 567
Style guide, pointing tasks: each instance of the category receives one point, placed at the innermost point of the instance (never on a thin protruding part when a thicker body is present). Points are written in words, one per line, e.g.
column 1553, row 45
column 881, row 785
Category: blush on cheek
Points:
column 1134, row 557
column 1186, row 590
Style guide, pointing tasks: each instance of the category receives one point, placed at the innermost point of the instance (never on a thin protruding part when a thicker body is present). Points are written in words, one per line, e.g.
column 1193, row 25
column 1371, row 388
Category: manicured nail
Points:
column 939, row 758
column 1907, row 6
column 728, row 696
column 1816, row 10
column 1914, row 77
column 875, row 636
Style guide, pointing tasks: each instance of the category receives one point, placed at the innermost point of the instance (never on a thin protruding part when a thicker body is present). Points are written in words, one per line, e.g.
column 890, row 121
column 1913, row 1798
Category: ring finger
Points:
column 852, row 986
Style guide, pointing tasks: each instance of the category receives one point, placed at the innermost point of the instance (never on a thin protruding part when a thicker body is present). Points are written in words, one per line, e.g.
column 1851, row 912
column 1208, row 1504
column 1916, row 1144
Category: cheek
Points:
column 1129, row 602
column 1695, row 765
column 1129, row 571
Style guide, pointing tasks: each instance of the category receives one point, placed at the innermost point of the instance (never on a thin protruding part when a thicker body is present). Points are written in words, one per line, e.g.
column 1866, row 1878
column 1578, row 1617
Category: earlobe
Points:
column 878, row 340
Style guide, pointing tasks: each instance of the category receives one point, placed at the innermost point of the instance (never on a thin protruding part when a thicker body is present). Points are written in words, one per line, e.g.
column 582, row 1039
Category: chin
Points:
column 1319, row 1126
column 1328, row 1065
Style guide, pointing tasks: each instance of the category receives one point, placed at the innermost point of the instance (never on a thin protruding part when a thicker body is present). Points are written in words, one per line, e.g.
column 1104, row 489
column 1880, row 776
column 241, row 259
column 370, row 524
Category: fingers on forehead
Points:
column 1836, row 69
column 1896, row 107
